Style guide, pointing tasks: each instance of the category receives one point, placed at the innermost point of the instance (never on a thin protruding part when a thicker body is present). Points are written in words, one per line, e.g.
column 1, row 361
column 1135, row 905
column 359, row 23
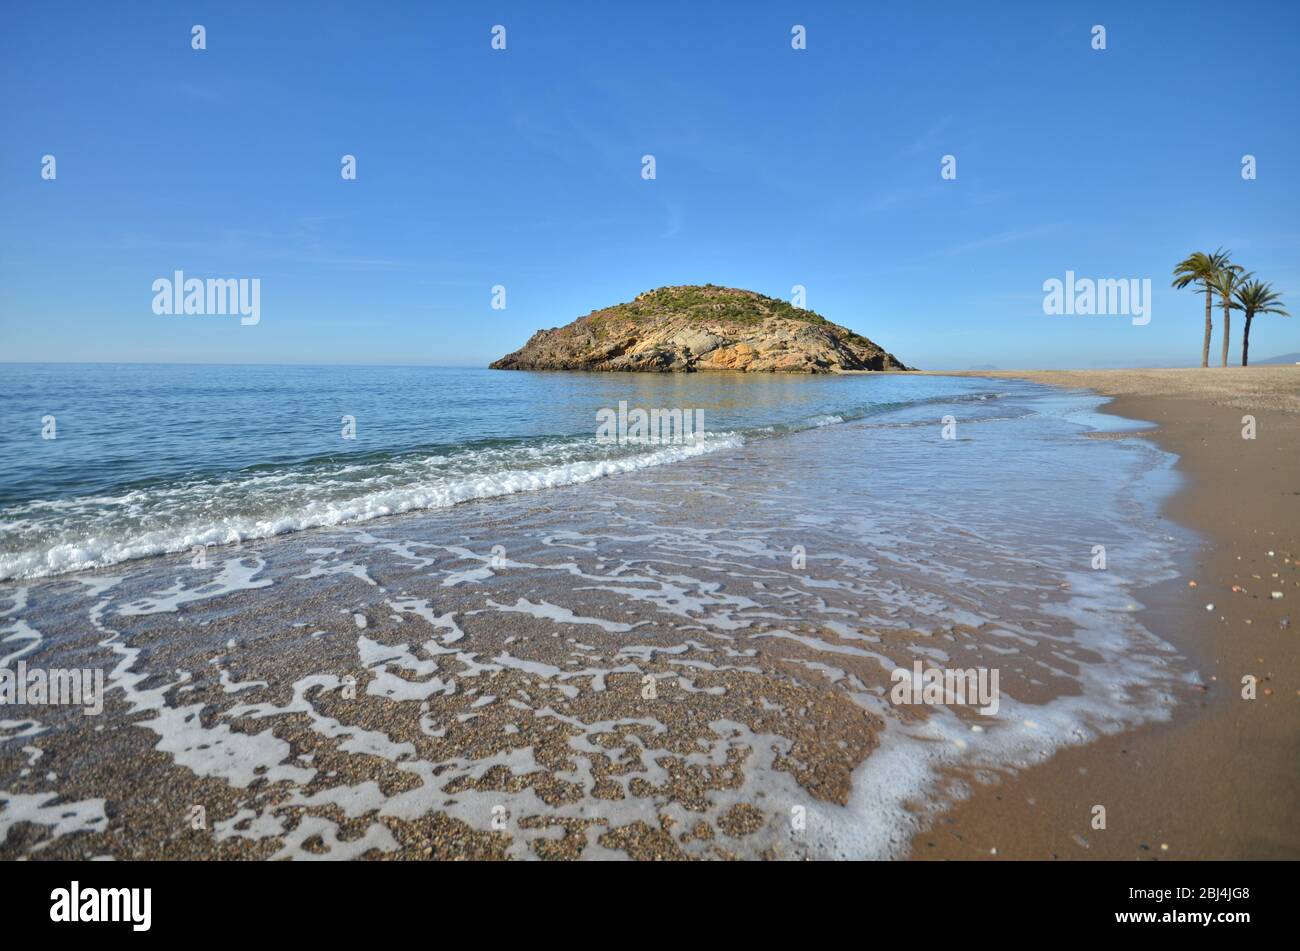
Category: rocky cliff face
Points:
column 705, row 327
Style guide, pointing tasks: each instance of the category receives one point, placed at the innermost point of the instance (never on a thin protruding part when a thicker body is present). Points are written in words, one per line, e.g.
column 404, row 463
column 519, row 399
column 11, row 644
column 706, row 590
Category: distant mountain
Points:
column 701, row 327
column 1284, row 358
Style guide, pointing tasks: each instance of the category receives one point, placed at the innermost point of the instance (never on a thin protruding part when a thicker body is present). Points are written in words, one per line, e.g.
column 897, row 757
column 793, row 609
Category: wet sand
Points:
column 1221, row 780
column 692, row 661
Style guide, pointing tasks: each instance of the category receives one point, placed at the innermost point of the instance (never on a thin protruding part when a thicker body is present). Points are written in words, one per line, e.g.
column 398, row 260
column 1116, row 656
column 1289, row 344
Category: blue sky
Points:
column 775, row 167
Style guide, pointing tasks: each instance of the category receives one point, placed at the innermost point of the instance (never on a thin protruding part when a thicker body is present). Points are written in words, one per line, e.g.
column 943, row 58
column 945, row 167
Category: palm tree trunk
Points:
column 1245, row 341
column 1209, row 329
column 1227, row 318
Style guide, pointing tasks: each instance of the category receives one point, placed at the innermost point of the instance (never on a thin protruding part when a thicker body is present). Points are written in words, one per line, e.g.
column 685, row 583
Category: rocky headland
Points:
column 704, row 327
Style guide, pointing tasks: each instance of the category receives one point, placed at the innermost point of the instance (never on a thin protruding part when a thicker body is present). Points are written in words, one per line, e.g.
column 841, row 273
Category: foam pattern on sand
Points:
column 691, row 664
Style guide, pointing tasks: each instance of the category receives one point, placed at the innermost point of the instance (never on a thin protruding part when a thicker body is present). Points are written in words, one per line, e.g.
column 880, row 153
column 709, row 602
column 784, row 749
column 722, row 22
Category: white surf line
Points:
column 377, row 502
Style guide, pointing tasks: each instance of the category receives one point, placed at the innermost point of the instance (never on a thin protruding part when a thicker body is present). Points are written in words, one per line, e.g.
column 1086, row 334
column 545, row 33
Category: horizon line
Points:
column 477, row 366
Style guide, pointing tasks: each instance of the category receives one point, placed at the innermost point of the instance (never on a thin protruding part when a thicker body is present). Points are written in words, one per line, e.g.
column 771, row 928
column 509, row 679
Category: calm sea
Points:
column 499, row 585
column 149, row 459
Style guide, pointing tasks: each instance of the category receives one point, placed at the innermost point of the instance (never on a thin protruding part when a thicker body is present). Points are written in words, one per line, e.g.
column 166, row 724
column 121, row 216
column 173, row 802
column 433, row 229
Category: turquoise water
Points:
column 148, row 459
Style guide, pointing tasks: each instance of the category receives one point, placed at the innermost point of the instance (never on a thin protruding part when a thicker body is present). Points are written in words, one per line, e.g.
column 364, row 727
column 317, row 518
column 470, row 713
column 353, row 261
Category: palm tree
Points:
column 1225, row 283
column 1201, row 268
column 1256, row 297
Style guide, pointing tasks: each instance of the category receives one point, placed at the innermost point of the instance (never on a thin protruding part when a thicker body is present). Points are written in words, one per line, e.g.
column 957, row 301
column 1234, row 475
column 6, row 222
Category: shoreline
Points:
column 1218, row 780
column 499, row 656
column 384, row 690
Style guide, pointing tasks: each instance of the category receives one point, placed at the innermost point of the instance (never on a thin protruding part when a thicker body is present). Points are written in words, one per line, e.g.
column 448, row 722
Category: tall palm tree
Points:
column 1256, row 297
column 1200, row 268
column 1225, row 283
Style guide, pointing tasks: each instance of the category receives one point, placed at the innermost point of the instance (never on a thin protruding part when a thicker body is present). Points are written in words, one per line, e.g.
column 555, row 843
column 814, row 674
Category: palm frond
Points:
column 1226, row 280
column 1258, row 297
column 1200, row 267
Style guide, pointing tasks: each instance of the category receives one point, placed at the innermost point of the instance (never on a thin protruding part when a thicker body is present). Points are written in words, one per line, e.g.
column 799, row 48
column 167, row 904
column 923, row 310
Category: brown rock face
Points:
column 683, row 329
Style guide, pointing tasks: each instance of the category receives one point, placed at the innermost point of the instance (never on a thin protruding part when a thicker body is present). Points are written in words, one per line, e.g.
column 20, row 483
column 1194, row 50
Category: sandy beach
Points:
column 695, row 659
column 1221, row 780
column 559, row 434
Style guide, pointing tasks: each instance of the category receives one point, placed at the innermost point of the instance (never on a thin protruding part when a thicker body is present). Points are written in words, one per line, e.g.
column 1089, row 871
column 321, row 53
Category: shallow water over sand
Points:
column 105, row 464
column 688, row 660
